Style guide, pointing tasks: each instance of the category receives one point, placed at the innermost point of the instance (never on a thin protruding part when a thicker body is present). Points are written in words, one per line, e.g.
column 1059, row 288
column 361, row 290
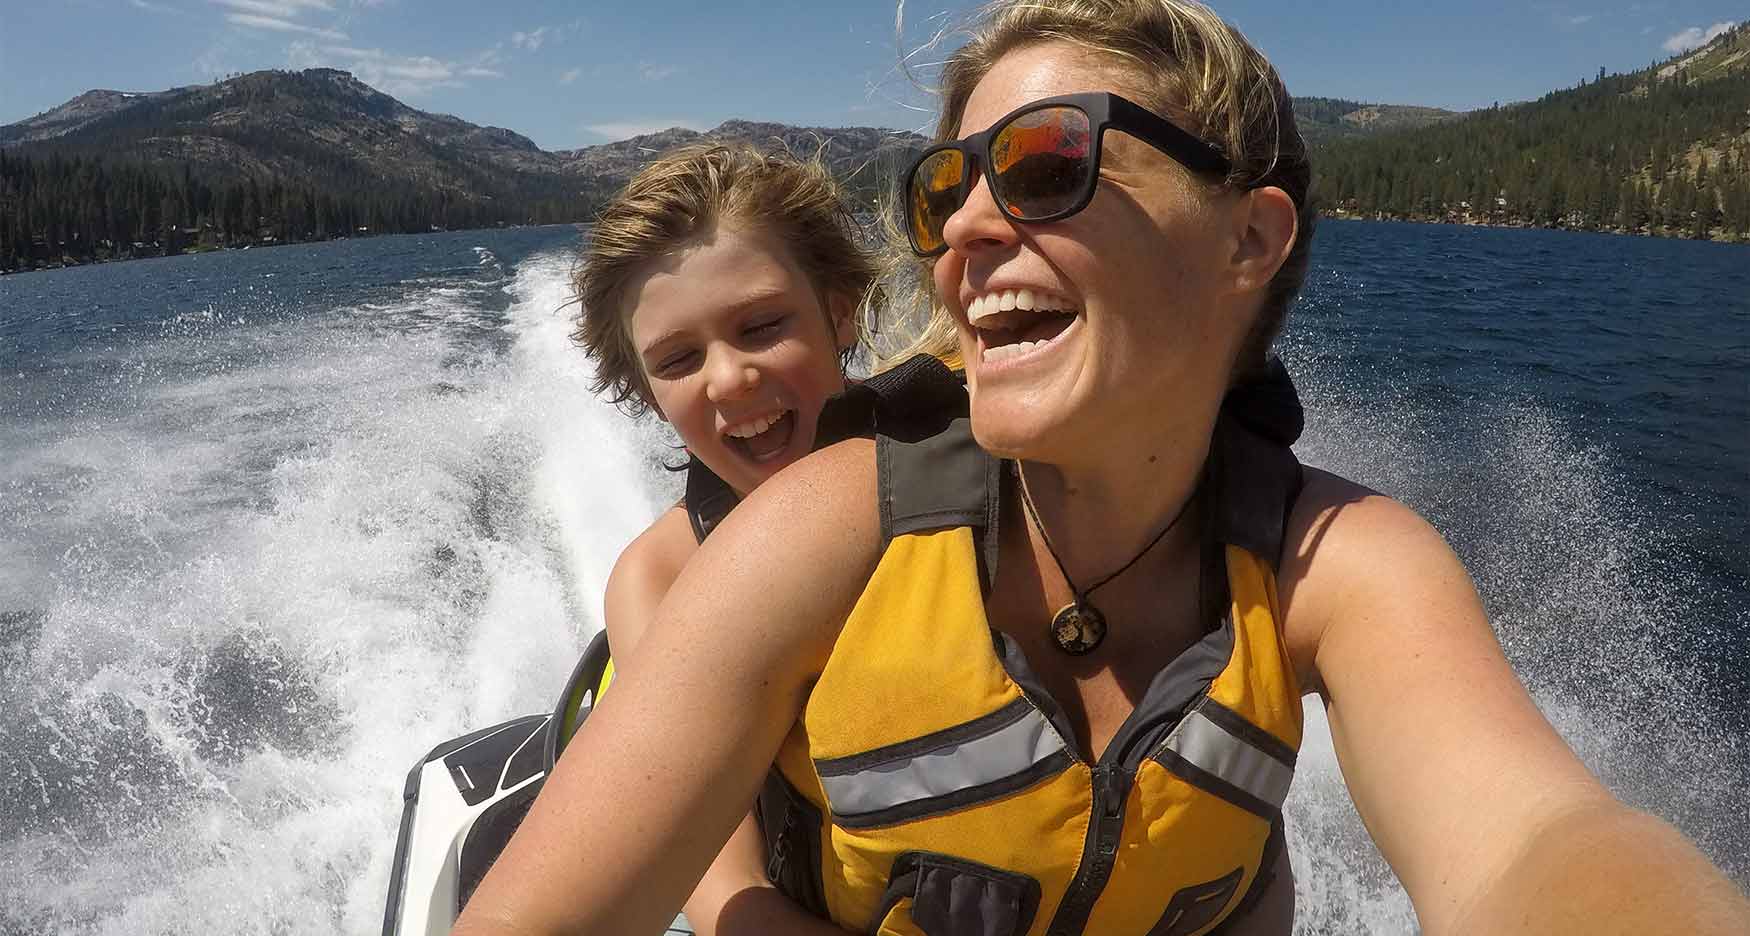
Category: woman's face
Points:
column 1145, row 324
column 738, row 352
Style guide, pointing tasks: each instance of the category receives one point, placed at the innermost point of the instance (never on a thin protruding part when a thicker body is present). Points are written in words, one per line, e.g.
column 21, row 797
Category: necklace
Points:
column 1079, row 627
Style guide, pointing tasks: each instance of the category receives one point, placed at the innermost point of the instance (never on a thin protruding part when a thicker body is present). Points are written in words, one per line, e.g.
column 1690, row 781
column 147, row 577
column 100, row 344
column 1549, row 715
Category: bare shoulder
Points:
column 793, row 557
column 647, row 567
column 823, row 505
column 1350, row 550
column 659, row 552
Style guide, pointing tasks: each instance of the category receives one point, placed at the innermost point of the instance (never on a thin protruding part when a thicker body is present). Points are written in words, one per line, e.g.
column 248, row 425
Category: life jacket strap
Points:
column 708, row 499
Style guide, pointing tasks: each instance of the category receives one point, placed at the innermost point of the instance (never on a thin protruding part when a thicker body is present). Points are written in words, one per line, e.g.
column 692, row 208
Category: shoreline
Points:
column 1337, row 214
column 68, row 263
column 1719, row 237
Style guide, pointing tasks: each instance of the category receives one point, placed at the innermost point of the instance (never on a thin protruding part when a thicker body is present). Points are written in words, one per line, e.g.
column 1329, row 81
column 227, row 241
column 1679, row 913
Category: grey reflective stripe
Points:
column 965, row 764
column 1212, row 748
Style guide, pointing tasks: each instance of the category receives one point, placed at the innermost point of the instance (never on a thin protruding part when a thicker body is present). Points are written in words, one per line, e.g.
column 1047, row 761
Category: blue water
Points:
column 275, row 522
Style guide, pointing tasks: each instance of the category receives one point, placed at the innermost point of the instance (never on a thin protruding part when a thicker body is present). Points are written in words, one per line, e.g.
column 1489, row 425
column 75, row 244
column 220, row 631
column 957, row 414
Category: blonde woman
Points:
column 1055, row 688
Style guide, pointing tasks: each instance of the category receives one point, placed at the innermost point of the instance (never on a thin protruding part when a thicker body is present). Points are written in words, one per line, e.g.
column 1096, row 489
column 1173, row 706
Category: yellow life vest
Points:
column 932, row 786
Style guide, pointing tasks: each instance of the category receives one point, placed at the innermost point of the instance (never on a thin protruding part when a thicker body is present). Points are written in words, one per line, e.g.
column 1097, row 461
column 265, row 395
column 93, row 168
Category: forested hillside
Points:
column 1323, row 120
column 68, row 209
column 1663, row 151
column 274, row 157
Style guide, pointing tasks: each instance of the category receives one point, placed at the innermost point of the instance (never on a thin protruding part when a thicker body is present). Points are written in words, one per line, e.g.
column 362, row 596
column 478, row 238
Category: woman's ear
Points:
column 1267, row 223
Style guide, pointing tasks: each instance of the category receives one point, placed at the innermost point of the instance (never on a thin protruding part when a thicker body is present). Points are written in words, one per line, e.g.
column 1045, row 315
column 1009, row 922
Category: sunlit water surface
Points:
column 278, row 521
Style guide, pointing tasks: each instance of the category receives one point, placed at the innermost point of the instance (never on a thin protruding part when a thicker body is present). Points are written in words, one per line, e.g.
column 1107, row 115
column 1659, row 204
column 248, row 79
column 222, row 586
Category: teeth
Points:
column 748, row 430
column 1009, row 300
column 1004, row 352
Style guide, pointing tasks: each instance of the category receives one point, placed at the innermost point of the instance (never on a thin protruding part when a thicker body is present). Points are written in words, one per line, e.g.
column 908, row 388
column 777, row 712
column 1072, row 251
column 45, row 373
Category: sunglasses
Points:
column 1041, row 161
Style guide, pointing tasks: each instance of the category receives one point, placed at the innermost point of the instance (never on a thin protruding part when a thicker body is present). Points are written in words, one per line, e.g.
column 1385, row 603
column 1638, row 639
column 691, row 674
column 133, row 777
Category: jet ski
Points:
column 462, row 802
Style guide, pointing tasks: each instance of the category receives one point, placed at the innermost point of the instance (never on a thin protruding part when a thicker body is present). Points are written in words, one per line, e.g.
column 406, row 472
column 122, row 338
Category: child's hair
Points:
column 683, row 198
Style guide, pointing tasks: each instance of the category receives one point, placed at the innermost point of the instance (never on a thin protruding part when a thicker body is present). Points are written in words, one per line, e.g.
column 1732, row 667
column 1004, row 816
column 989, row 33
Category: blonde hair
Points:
column 681, row 199
column 1193, row 67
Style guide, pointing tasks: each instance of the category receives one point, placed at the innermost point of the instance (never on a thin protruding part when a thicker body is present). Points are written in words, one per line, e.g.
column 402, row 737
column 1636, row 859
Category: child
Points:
column 720, row 291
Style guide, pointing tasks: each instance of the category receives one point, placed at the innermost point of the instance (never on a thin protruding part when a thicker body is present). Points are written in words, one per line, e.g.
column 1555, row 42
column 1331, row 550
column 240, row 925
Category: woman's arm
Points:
column 1490, row 821
column 734, row 898
column 664, row 769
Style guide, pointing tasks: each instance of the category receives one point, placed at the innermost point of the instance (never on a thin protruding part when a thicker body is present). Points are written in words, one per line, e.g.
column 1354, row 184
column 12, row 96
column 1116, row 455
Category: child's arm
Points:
column 734, row 897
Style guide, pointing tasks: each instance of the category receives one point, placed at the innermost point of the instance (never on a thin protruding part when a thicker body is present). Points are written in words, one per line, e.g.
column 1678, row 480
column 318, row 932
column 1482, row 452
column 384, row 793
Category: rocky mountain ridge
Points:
column 304, row 126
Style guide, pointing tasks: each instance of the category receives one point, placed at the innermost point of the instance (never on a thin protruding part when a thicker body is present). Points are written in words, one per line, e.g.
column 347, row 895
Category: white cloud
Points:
column 279, row 25
column 279, row 16
column 402, row 76
column 570, row 75
column 1695, row 37
column 275, row 9
column 626, row 129
column 1580, row 20
column 153, row 7
column 651, row 71
column 535, row 38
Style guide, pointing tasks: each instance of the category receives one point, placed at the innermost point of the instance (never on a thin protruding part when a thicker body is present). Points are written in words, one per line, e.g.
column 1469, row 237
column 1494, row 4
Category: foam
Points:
column 406, row 534
column 401, row 519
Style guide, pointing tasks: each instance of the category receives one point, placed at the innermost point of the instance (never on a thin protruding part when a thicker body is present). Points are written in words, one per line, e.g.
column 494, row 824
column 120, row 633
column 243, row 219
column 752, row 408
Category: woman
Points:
column 720, row 292
column 1077, row 712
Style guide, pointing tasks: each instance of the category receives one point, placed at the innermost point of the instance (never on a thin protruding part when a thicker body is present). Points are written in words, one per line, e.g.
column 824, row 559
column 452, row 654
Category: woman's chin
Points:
column 1013, row 429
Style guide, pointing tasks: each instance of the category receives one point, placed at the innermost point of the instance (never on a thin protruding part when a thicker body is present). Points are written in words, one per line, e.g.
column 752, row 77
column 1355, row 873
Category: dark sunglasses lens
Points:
column 1043, row 161
column 935, row 194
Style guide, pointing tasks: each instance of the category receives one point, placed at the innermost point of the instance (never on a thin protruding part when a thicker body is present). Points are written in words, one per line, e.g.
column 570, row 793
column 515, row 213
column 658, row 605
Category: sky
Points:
column 570, row 74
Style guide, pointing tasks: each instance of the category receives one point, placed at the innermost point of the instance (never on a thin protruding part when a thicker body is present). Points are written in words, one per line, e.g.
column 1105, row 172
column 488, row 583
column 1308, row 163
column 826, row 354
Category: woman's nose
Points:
column 978, row 222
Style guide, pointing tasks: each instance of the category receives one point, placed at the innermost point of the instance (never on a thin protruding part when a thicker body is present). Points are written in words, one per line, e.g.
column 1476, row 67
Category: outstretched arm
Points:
column 1490, row 821
column 661, row 773
column 734, row 898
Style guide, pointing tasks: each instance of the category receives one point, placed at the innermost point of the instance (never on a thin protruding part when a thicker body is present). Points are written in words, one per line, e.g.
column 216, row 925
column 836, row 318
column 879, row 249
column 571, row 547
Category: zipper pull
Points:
column 780, row 848
column 1117, row 786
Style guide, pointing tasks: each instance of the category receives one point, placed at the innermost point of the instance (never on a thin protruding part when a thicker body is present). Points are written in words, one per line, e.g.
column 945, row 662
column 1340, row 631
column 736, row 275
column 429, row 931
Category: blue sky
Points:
column 572, row 74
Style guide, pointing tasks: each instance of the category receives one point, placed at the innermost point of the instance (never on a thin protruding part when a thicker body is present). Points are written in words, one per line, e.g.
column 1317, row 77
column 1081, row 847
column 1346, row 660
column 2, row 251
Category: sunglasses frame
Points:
column 1104, row 110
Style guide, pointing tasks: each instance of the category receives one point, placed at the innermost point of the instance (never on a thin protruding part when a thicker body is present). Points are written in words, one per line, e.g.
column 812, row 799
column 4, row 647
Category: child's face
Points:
column 738, row 352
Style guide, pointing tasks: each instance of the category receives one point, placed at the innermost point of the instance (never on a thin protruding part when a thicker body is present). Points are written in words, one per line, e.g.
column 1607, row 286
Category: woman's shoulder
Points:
column 827, row 495
column 816, row 522
column 791, row 560
column 1350, row 552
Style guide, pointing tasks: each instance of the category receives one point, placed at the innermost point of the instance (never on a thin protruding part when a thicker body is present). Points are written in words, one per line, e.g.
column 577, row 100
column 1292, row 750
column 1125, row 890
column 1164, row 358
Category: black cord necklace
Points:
column 1079, row 627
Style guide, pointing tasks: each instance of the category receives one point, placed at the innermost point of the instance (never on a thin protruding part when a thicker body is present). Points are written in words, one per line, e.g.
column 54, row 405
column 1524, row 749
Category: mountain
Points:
column 276, row 155
column 866, row 158
column 1664, row 150
column 296, row 127
column 82, row 111
column 1322, row 120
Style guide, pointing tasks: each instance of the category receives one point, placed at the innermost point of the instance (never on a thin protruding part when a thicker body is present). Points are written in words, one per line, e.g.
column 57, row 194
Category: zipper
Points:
column 781, row 847
column 1105, row 828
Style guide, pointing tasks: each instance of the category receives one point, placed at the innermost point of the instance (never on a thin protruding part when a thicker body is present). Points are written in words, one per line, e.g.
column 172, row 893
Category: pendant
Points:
column 1078, row 628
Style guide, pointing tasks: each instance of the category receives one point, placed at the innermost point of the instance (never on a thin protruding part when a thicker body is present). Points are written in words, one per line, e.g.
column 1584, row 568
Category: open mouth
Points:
column 1015, row 323
column 764, row 438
